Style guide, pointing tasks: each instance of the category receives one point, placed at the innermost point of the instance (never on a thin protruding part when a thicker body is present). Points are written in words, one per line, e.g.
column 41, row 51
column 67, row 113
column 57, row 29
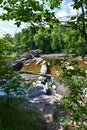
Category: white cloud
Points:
column 66, row 10
column 63, row 3
column 9, row 27
column 71, row 10
column 62, row 13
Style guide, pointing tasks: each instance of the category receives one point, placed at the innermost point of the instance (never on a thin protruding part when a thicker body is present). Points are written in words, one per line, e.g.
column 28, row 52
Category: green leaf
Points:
column 0, row 1
column 73, row 17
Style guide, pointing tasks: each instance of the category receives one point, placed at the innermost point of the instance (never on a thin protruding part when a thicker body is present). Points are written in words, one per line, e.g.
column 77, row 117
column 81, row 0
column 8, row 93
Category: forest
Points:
column 58, row 39
column 47, row 33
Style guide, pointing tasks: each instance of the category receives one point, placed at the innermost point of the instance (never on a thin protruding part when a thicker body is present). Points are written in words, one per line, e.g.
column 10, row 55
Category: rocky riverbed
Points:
column 50, row 108
column 47, row 104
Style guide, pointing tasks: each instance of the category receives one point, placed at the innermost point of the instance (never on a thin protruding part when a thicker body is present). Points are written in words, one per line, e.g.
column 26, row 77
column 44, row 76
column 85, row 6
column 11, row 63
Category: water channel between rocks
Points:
column 35, row 67
column 45, row 103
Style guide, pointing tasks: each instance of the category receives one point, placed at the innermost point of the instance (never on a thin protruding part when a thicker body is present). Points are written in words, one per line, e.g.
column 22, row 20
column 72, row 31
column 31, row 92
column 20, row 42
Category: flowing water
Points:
column 36, row 68
column 53, row 68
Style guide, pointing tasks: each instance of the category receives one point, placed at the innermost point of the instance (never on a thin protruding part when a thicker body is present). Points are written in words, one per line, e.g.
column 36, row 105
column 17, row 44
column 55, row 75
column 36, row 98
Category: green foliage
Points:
column 57, row 42
column 5, row 47
column 10, row 81
column 74, row 43
column 42, row 40
column 46, row 39
column 76, row 100
column 25, row 11
column 53, row 3
column 17, row 43
column 24, row 40
column 34, row 13
column 13, row 117
column 27, row 39
column 79, row 23
column 0, row 1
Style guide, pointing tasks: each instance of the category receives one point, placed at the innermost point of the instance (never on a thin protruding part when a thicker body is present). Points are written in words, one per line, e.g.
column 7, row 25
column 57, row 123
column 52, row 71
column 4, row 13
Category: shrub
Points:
column 76, row 81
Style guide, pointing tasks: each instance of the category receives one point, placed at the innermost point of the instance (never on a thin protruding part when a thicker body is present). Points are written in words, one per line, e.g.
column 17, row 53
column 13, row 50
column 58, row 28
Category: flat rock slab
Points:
column 38, row 103
column 46, row 106
column 41, row 101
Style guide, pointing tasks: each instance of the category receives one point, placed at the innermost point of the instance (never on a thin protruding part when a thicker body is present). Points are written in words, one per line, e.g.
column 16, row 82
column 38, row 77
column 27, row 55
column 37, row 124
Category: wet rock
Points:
column 28, row 57
column 35, row 53
column 49, row 91
column 59, row 112
column 17, row 66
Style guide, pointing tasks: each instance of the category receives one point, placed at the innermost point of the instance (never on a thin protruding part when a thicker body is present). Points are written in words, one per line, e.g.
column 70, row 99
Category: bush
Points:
column 74, row 76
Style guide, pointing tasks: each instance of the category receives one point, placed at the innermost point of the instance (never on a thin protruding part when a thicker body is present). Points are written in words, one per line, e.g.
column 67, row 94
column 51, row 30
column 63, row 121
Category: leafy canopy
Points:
column 31, row 11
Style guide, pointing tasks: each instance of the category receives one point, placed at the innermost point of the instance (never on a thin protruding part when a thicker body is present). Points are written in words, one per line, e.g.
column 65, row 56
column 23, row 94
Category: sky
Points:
column 9, row 27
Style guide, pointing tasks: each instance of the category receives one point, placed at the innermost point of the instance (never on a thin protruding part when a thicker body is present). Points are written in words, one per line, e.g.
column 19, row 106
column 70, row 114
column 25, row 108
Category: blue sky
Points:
column 9, row 27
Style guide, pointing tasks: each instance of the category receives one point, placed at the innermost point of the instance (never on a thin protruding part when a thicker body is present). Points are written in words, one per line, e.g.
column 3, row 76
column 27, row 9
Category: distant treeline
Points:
column 58, row 39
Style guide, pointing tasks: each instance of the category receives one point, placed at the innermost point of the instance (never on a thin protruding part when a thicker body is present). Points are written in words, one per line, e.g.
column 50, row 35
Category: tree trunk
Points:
column 83, row 21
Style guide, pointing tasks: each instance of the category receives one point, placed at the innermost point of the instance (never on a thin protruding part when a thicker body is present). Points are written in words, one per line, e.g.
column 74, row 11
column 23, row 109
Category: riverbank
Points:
column 50, row 109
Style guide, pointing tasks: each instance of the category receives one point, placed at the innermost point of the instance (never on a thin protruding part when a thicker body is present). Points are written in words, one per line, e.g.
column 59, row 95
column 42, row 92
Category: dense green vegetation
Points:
column 44, row 39
column 56, row 38
column 59, row 39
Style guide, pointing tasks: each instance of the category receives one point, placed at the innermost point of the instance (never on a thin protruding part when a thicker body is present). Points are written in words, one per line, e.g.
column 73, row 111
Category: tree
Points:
column 74, row 77
column 36, row 13
column 32, row 12
column 79, row 22
column 74, row 43
column 6, row 45
column 17, row 42
column 24, row 40
column 27, row 39
column 43, row 40
column 57, row 42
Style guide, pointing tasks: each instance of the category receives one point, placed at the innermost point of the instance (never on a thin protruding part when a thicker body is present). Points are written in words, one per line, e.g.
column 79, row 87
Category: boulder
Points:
column 17, row 66
column 35, row 53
